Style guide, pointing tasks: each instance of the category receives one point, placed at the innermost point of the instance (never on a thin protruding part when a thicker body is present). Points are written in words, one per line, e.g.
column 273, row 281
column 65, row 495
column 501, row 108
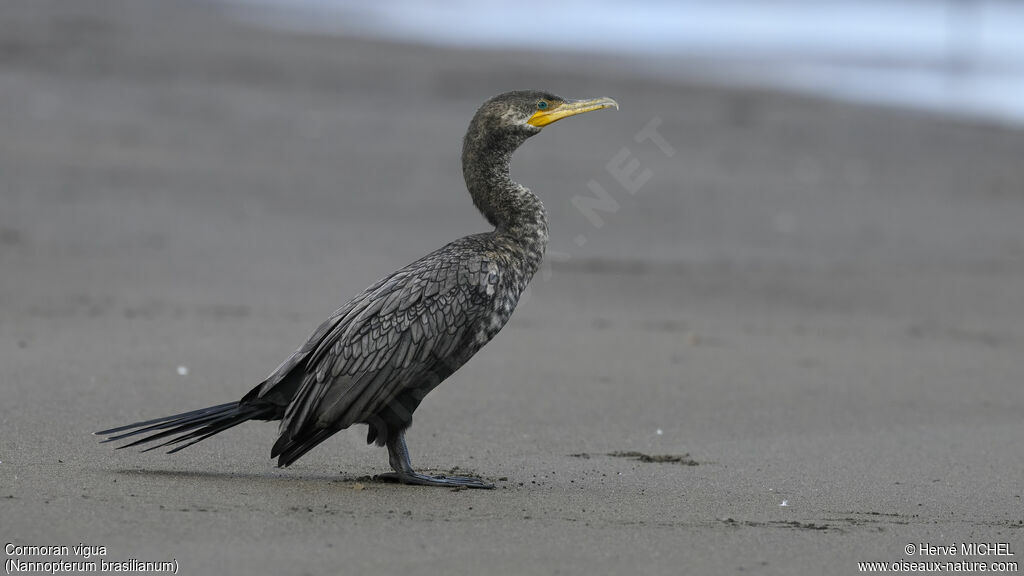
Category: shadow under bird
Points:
column 375, row 358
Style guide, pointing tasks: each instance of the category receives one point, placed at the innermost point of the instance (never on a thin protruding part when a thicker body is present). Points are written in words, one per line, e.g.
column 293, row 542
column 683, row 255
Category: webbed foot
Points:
column 444, row 481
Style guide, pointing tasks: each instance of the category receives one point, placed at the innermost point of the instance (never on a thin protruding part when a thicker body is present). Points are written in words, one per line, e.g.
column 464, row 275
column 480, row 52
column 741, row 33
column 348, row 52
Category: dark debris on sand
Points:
column 684, row 459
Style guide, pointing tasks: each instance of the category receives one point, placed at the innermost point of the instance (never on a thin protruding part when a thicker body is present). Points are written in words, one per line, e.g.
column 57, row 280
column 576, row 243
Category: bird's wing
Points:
column 282, row 384
column 400, row 334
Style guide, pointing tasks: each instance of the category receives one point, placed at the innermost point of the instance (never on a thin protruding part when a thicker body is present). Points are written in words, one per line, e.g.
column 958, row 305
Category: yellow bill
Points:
column 542, row 118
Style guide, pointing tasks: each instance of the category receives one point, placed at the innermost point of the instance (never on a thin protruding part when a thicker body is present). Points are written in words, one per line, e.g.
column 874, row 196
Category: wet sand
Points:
column 815, row 306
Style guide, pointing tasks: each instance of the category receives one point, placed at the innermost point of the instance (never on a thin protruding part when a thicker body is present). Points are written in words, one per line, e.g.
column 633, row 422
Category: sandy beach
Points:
column 811, row 309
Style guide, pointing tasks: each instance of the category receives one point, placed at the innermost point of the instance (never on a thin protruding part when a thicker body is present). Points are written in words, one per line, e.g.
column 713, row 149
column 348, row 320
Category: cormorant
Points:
column 375, row 358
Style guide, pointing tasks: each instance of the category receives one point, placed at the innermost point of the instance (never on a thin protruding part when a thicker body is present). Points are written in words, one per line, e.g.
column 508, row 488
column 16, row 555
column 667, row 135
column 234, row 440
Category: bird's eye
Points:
column 542, row 105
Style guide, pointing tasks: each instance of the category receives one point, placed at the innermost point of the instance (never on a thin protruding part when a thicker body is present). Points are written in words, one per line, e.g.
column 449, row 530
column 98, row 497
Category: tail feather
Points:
column 197, row 436
column 196, row 425
column 173, row 425
column 181, row 416
column 209, row 429
column 288, row 450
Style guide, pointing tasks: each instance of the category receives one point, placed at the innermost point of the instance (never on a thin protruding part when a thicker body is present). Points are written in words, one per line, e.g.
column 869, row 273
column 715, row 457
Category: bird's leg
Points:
column 398, row 454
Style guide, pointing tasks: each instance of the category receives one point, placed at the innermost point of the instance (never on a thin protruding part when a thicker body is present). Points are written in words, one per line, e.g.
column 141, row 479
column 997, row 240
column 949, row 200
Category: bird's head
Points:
column 525, row 112
column 500, row 126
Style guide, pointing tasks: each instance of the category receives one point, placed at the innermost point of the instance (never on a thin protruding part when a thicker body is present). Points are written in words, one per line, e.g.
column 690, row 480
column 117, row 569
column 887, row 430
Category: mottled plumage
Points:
column 375, row 358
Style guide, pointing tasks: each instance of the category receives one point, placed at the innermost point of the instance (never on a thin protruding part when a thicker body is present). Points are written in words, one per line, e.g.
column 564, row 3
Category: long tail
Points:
column 190, row 427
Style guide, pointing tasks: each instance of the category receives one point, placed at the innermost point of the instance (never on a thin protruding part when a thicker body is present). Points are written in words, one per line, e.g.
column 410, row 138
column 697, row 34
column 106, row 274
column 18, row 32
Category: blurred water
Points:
column 958, row 56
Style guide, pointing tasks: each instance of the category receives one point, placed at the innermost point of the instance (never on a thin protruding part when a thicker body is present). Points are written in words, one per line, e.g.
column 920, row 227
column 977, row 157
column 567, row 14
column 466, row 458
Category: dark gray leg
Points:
column 398, row 454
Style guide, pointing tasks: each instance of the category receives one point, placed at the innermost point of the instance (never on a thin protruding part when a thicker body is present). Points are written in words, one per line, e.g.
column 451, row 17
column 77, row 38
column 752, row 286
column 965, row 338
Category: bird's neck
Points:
column 515, row 212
